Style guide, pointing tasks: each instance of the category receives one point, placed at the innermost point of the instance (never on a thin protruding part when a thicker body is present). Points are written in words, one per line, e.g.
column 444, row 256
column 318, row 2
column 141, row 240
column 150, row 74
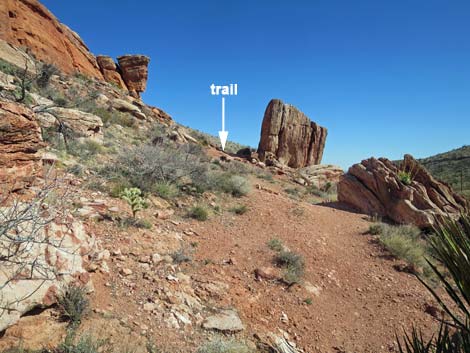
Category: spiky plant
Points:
column 451, row 246
column 133, row 196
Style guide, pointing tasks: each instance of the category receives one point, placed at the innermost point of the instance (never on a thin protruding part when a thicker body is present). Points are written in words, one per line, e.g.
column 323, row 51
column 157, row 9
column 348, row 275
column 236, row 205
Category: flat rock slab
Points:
column 224, row 321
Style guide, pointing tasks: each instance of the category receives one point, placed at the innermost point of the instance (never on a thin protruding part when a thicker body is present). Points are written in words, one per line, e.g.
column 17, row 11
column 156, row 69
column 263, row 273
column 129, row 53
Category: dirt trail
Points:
column 363, row 300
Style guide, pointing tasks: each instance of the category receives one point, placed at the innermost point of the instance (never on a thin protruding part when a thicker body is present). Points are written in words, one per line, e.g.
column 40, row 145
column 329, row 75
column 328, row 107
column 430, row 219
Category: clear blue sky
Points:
column 386, row 77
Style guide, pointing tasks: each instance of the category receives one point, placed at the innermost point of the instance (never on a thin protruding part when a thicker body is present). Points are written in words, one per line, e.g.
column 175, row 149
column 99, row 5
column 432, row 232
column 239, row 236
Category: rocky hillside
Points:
column 453, row 167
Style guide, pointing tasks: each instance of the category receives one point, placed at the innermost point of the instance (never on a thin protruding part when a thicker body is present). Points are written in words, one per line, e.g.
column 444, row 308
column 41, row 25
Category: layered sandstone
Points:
column 28, row 24
column 110, row 70
column 134, row 69
column 290, row 136
column 405, row 194
column 20, row 143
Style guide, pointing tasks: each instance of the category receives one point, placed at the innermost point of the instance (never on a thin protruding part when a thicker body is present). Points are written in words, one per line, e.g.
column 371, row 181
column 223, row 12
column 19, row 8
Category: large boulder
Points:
column 110, row 71
column 82, row 124
column 20, row 143
column 405, row 194
column 290, row 136
column 28, row 24
column 49, row 254
column 321, row 174
column 134, row 69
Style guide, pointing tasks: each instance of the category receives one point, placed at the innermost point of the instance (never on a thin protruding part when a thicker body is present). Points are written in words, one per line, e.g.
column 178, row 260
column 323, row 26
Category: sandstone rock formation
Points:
column 27, row 23
column 20, row 142
column 44, row 267
column 110, row 70
column 288, row 135
column 320, row 175
column 375, row 187
column 134, row 70
column 80, row 123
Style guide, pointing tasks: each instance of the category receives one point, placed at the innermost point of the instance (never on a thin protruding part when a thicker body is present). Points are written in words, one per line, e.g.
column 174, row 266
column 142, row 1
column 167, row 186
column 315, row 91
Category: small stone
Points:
column 224, row 321
column 150, row 306
column 126, row 271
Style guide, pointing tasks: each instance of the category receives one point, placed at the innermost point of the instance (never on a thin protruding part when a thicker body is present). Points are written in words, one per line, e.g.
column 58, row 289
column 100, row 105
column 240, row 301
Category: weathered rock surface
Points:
column 321, row 174
column 290, row 136
column 43, row 267
column 134, row 69
column 27, row 23
column 110, row 71
column 224, row 321
column 374, row 187
column 80, row 123
column 20, row 142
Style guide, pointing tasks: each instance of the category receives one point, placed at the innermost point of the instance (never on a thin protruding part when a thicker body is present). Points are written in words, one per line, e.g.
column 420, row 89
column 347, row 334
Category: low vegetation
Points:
column 199, row 213
column 275, row 244
column 239, row 209
column 73, row 304
column 224, row 346
column 451, row 247
column 133, row 197
column 293, row 264
column 404, row 242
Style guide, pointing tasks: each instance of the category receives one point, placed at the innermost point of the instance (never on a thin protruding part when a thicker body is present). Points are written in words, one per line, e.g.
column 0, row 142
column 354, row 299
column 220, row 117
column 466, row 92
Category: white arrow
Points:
column 223, row 134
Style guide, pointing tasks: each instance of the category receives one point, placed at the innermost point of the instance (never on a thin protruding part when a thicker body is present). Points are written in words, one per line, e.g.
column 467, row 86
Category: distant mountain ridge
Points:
column 452, row 167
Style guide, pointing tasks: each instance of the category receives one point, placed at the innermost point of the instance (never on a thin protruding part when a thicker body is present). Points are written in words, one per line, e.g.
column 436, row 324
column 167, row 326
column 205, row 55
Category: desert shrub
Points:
column 45, row 73
column 375, row 229
column 135, row 222
column 133, row 197
column 239, row 210
column 73, row 304
column 9, row 69
column 113, row 117
column 308, row 301
column 76, row 169
column 234, row 185
column 198, row 212
column 293, row 192
column 451, row 246
column 328, row 191
column 405, row 177
column 404, row 242
column 181, row 256
column 224, row 346
column 147, row 165
column 293, row 264
column 275, row 244
column 84, row 344
column 84, row 149
column 166, row 190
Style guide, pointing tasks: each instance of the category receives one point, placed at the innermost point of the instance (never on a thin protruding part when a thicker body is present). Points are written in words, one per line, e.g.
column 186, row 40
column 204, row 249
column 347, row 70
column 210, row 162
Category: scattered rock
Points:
column 126, row 271
column 224, row 321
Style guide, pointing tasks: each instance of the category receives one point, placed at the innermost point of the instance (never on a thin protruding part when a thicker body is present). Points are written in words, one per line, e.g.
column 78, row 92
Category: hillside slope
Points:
column 452, row 167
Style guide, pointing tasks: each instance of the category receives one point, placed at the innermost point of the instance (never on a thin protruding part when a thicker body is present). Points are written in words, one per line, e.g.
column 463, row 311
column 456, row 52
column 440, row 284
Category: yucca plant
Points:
column 451, row 246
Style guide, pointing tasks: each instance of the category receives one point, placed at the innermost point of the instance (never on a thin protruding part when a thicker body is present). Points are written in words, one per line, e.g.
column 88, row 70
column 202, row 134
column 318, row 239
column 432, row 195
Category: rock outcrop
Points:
column 110, row 71
column 289, row 136
column 41, row 268
column 20, row 143
column 27, row 23
column 134, row 70
column 320, row 175
column 81, row 124
column 405, row 194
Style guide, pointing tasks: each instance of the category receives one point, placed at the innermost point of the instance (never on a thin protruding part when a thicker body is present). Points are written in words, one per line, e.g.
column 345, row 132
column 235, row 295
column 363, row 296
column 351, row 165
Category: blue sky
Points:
column 385, row 77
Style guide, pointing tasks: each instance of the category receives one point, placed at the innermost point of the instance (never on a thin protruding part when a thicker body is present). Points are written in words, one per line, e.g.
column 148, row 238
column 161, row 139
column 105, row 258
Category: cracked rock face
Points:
column 374, row 187
column 290, row 136
column 20, row 143
column 134, row 69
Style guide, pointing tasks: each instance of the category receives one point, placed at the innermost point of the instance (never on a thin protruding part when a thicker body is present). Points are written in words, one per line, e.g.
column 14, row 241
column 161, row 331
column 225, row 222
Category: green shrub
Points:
column 224, row 346
column 84, row 344
column 133, row 197
column 135, row 222
column 239, row 210
column 73, row 304
column 112, row 117
column 375, row 229
column 85, row 149
column 234, row 185
column 404, row 242
column 308, row 301
column 293, row 264
column 9, row 69
column 44, row 77
column 199, row 212
column 451, row 247
column 275, row 244
column 405, row 177
column 166, row 191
